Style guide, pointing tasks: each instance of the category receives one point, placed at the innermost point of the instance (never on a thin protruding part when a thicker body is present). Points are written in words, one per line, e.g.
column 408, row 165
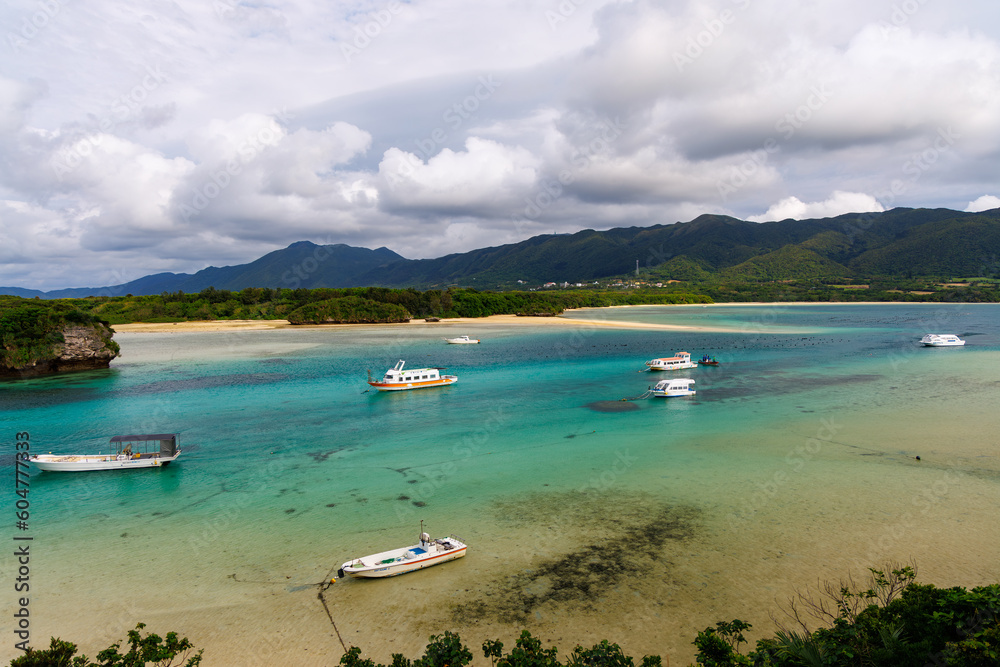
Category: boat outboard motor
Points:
column 340, row 573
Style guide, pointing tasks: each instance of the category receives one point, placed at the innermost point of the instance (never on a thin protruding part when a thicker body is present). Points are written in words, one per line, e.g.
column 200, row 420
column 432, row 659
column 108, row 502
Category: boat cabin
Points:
column 398, row 375
column 676, row 362
column 145, row 446
column 671, row 388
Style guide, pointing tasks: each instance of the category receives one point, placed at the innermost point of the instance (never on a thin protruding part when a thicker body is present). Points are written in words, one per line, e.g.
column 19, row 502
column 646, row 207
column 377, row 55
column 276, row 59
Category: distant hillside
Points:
column 302, row 264
column 897, row 243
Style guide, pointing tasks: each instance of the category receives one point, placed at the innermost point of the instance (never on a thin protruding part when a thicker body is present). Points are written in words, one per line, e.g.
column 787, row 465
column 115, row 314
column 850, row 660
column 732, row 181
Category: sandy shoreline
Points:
column 492, row 320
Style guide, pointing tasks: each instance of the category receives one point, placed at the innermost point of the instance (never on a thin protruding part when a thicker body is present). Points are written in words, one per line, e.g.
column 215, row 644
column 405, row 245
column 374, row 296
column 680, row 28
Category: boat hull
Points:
column 407, row 559
column 941, row 340
column 403, row 386
column 395, row 569
column 85, row 463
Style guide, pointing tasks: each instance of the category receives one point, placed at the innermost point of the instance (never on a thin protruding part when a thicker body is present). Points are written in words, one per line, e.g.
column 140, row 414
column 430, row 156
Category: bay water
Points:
column 588, row 517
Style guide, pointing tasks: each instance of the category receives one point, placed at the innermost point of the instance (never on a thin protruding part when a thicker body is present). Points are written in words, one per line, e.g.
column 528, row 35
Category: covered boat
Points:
column 677, row 362
column 426, row 553
column 941, row 340
column 673, row 388
column 398, row 379
column 151, row 450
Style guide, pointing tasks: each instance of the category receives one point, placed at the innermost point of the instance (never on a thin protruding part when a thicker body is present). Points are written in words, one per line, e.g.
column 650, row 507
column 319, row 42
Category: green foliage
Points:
column 31, row 329
column 893, row 621
column 719, row 646
column 141, row 650
column 445, row 651
column 348, row 310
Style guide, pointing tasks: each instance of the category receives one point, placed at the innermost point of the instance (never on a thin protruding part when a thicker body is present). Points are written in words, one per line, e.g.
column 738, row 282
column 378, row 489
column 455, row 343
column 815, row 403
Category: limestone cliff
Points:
column 74, row 347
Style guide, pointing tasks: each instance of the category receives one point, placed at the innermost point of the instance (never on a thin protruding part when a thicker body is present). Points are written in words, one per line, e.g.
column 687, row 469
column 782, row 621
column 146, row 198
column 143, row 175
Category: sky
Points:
column 160, row 135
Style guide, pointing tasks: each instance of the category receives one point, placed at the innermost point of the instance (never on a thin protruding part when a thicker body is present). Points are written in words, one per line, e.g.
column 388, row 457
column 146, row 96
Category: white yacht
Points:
column 673, row 388
column 941, row 340
column 462, row 340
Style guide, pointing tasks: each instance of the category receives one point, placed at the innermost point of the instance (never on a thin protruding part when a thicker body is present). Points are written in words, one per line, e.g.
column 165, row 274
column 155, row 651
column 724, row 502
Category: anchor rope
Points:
column 645, row 394
column 322, row 599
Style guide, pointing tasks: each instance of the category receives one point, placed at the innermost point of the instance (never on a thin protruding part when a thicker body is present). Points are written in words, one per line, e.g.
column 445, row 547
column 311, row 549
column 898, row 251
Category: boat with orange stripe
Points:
column 399, row 379
column 407, row 559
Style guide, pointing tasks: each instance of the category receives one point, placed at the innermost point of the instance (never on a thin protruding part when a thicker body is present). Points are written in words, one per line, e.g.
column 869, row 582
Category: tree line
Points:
column 886, row 620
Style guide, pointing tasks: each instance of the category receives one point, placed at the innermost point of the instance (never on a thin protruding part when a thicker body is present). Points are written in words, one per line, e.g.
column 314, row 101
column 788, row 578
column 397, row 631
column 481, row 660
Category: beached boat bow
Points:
column 426, row 553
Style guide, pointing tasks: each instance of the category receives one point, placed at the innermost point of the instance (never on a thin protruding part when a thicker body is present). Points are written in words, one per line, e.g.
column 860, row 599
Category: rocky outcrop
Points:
column 83, row 347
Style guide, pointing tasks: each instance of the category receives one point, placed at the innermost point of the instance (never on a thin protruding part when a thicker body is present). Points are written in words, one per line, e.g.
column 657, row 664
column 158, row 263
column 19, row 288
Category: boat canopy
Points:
column 168, row 441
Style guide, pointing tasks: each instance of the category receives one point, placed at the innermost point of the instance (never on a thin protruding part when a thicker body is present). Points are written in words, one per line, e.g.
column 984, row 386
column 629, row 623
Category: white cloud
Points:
column 181, row 134
column 984, row 203
column 838, row 204
column 487, row 177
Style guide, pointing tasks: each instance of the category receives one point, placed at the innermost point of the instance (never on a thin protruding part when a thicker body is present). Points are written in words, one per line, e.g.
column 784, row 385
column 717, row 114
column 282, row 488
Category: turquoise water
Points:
column 290, row 466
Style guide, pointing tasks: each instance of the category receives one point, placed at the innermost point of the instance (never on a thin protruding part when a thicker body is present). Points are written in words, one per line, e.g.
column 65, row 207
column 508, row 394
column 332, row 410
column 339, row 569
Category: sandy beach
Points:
column 490, row 321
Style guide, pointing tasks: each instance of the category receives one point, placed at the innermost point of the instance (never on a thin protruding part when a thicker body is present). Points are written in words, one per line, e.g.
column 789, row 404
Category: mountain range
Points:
column 902, row 242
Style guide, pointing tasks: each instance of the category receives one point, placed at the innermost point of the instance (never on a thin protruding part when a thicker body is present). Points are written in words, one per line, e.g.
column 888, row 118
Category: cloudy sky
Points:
column 167, row 135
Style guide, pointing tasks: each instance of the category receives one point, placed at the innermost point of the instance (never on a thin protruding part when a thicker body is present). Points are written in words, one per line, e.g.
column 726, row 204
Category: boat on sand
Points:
column 426, row 553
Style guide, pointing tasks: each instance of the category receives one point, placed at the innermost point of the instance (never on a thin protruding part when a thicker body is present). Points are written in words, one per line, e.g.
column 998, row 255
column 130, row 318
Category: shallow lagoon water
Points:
column 795, row 461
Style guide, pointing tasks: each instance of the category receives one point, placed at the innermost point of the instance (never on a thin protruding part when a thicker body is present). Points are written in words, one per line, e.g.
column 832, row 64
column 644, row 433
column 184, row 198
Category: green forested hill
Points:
column 787, row 263
column 900, row 243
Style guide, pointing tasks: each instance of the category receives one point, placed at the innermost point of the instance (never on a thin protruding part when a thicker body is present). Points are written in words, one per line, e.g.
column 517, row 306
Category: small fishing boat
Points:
column 398, row 379
column 673, row 388
column 462, row 340
column 677, row 362
column 941, row 340
column 708, row 361
column 158, row 450
column 426, row 553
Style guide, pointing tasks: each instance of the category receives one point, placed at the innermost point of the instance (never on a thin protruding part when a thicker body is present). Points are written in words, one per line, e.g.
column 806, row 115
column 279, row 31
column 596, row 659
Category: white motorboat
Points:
column 941, row 340
column 158, row 450
column 673, row 388
column 398, row 379
column 462, row 340
column 426, row 553
column 677, row 362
